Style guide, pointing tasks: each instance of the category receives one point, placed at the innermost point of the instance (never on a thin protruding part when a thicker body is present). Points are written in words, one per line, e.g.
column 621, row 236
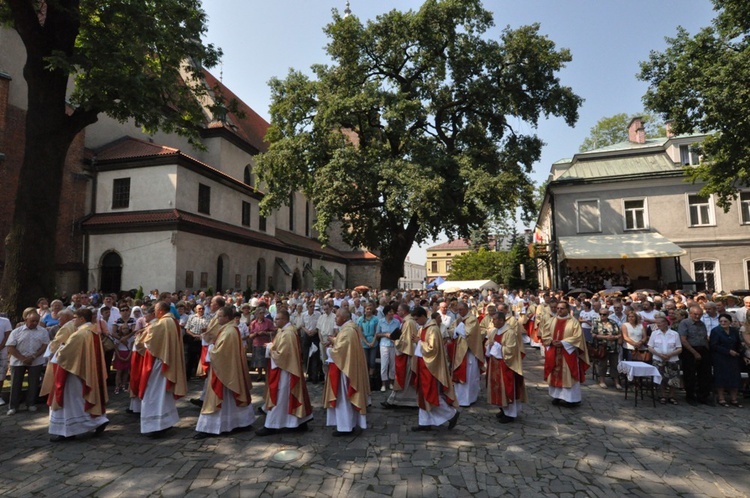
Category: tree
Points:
column 409, row 132
column 614, row 129
column 515, row 258
column 700, row 83
column 128, row 59
column 479, row 265
column 322, row 279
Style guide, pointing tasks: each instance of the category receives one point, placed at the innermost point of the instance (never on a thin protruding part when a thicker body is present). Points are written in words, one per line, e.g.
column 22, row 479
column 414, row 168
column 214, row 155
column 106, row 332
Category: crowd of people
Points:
column 423, row 349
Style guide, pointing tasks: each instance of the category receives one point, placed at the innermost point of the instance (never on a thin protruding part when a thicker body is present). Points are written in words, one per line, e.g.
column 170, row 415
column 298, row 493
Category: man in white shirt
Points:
column 26, row 346
column 325, row 327
column 647, row 313
column 710, row 316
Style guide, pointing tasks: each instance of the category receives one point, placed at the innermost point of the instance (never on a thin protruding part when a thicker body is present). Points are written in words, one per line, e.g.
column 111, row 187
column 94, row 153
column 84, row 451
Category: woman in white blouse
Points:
column 633, row 335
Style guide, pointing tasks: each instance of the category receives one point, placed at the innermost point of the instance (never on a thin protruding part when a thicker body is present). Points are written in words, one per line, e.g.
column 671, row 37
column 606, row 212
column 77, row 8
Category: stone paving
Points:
column 605, row 447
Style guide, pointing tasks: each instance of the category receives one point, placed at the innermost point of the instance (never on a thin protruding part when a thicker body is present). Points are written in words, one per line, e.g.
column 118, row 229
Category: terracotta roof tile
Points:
column 132, row 148
column 453, row 244
column 252, row 128
column 294, row 240
column 355, row 255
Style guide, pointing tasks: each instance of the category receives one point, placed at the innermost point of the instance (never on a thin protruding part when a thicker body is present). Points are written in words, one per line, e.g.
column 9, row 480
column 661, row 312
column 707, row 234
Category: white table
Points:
column 636, row 372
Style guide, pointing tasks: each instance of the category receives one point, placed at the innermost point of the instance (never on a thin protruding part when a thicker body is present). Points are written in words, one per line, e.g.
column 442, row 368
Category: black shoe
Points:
column 60, row 439
column 387, row 405
column 452, row 423
column 202, row 435
column 568, row 404
column 303, row 427
column 504, row 419
column 556, row 401
column 101, row 428
column 692, row 402
column 342, row 433
column 157, row 434
column 197, row 402
column 421, row 428
column 242, row 429
column 260, row 410
column 265, row 431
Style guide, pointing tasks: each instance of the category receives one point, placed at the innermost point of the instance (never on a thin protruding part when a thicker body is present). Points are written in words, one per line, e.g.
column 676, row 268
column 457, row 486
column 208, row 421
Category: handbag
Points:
column 643, row 355
column 108, row 344
column 597, row 350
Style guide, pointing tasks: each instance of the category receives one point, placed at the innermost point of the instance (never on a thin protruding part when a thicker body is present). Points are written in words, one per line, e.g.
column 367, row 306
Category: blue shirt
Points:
column 385, row 327
column 369, row 327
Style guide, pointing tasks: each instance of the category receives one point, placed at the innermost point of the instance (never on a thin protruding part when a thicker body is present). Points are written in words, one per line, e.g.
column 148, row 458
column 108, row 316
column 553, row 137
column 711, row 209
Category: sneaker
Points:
column 32, row 408
column 12, row 411
column 382, row 388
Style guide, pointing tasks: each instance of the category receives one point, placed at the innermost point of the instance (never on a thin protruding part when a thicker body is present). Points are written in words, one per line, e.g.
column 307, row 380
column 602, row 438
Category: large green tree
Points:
column 614, row 129
column 701, row 83
column 417, row 127
column 129, row 59
column 480, row 265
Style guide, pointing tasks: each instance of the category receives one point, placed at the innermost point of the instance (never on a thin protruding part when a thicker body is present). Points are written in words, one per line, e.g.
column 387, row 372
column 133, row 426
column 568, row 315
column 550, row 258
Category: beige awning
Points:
column 625, row 246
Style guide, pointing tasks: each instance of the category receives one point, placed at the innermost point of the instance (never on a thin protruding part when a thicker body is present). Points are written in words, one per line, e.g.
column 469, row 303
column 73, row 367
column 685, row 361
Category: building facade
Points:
column 155, row 211
column 628, row 209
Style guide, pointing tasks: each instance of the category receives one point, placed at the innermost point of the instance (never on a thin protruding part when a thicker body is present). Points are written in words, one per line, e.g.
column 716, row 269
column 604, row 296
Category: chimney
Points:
column 636, row 131
column 669, row 130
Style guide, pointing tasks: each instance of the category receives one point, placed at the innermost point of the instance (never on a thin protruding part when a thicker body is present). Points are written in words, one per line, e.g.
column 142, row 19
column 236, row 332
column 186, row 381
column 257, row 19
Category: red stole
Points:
column 556, row 358
column 334, row 374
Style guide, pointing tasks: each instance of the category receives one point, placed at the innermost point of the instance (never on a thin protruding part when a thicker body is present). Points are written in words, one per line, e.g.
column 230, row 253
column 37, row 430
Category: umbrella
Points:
column 435, row 283
column 451, row 289
column 741, row 292
column 361, row 288
column 614, row 291
column 579, row 290
column 646, row 291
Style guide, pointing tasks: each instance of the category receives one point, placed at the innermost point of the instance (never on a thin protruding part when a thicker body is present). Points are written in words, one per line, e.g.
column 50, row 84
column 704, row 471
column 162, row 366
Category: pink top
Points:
column 264, row 329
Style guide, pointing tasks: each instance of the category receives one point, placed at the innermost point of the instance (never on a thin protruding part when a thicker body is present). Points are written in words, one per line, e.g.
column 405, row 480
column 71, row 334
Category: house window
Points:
column 261, row 223
column 688, row 156
column 700, row 210
column 204, row 279
column 120, row 193
column 705, row 271
column 434, row 267
column 204, row 199
column 745, row 208
column 747, row 273
column 291, row 212
column 245, row 213
column 189, row 279
column 635, row 214
column 447, row 267
column 588, row 216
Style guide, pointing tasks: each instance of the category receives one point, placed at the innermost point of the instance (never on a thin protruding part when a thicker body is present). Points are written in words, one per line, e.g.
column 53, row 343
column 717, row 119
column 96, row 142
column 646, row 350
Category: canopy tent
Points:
column 624, row 246
column 435, row 283
column 468, row 284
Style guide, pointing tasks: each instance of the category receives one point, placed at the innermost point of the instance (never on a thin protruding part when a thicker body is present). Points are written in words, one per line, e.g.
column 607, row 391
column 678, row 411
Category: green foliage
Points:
column 517, row 256
column 322, row 279
column 139, row 293
column 415, row 127
column 614, row 129
column 700, row 83
column 479, row 265
column 210, row 292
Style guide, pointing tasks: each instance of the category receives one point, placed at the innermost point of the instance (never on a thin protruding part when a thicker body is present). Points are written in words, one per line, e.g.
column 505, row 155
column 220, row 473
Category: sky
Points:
column 608, row 39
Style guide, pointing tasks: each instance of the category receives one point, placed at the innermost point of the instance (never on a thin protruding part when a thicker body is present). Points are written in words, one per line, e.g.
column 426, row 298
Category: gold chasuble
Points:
column 435, row 362
column 473, row 342
column 286, row 354
column 82, row 356
column 349, row 357
column 505, row 376
column 563, row 369
column 209, row 336
column 405, row 345
column 228, row 368
column 63, row 333
column 162, row 340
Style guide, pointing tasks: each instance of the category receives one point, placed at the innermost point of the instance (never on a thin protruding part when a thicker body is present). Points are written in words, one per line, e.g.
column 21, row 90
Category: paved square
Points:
column 605, row 447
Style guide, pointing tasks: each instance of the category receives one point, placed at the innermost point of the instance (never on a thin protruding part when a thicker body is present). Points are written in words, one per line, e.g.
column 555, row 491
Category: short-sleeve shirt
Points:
column 695, row 332
column 28, row 341
column 665, row 342
column 386, row 327
column 369, row 328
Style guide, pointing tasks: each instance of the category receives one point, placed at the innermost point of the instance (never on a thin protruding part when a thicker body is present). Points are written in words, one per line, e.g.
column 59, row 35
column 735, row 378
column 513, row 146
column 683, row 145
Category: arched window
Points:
column 248, row 177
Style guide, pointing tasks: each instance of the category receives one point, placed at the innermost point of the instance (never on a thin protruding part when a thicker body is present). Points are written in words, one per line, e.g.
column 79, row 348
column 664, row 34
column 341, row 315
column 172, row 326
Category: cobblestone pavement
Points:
column 605, row 447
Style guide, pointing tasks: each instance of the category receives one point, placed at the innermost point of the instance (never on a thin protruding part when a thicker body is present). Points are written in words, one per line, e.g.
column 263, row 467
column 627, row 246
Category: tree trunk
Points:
column 29, row 271
column 393, row 255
